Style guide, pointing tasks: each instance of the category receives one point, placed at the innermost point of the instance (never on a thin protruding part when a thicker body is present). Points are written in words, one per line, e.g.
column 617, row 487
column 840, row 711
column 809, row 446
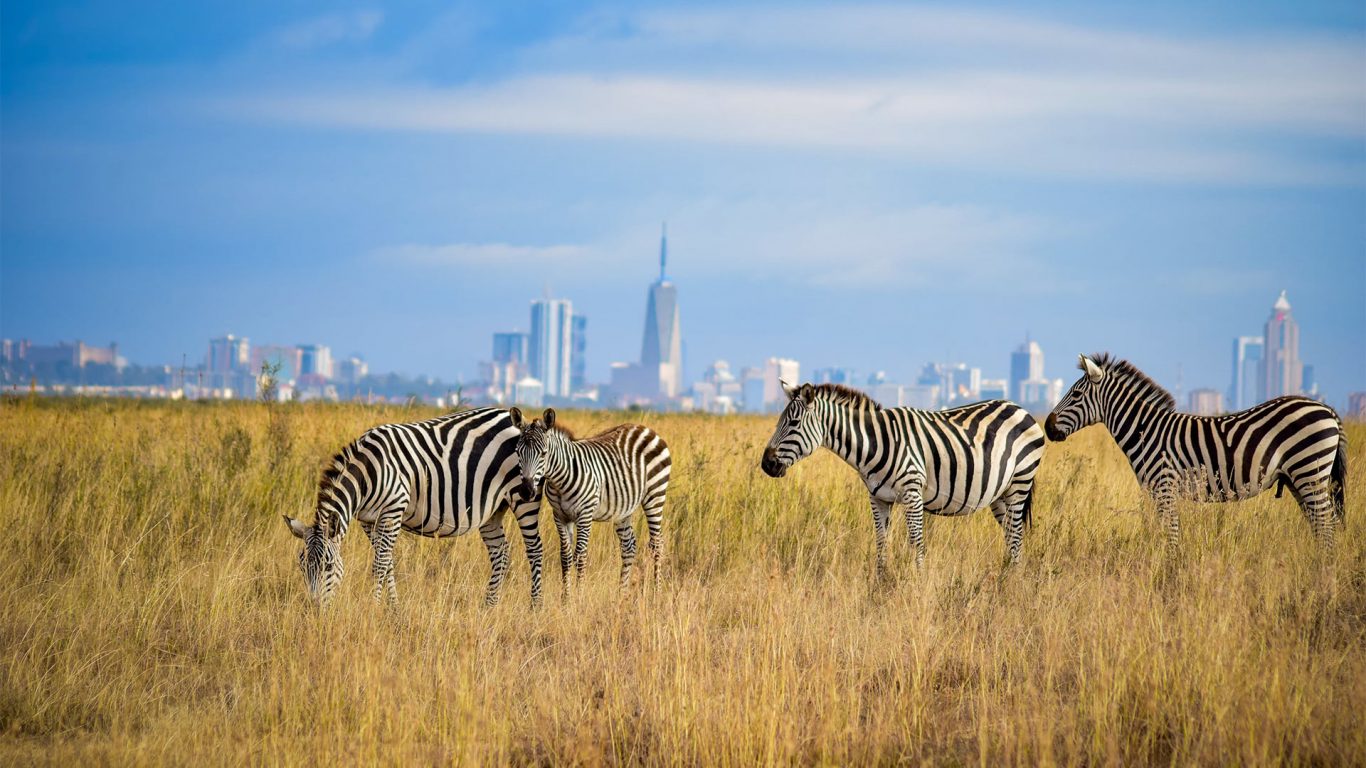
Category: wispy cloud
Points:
column 983, row 90
column 354, row 26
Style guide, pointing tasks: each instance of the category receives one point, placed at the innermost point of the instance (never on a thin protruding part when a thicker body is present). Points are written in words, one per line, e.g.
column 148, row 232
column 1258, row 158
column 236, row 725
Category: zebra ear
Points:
column 549, row 417
column 296, row 527
column 788, row 389
column 1093, row 372
column 516, row 414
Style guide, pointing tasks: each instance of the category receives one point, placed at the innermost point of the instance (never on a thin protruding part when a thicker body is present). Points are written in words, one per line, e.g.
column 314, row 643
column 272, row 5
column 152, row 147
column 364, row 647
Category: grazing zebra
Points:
column 950, row 462
column 441, row 477
column 1293, row 441
column 603, row 477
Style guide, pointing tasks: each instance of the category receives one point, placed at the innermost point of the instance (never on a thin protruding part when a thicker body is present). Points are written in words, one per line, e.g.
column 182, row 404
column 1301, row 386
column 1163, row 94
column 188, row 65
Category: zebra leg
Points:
column 583, row 525
column 566, row 532
column 496, row 542
column 528, row 514
column 882, row 511
column 1316, row 501
column 383, row 537
column 1010, row 516
column 1165, row 497
column 915, row 524
column 654, row 521
column 628, row 549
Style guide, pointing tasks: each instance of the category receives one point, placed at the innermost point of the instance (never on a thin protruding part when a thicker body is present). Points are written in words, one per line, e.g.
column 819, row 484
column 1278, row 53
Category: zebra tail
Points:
column 1339, row 478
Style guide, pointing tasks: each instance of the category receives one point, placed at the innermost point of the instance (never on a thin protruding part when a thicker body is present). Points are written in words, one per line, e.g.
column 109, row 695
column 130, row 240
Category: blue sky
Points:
column 873, row 186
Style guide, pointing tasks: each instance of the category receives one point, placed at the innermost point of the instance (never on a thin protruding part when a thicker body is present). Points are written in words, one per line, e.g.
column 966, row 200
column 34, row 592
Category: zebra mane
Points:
column 563, row 430
column 1151, row 390
column 334, row 470
column 842, row 395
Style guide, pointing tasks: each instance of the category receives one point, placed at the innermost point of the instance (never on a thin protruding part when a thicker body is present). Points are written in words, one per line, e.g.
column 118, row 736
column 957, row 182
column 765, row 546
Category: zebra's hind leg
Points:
column 628, row 549
column 654, row 521
column 496, row 542
column 915, row 524
column 1009, row 514
column 1314, row 494
column 566, row 534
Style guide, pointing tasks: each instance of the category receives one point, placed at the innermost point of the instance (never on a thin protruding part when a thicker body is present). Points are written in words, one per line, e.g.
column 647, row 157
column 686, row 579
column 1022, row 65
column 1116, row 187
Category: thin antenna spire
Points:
column 663, row 249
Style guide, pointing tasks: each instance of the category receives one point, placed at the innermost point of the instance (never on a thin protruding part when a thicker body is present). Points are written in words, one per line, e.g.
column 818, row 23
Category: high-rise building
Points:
column 510, row 348
column 1249, row 383
column 578, row 353
column 1026, row 364
column 994, row 389
column 288, row 359
column 315, row 360
column 845, row 376
column 229, row 356
column 1206, row 402
column 661, row 351
column 776, row 371
column 550, row 347
column 1283, row 368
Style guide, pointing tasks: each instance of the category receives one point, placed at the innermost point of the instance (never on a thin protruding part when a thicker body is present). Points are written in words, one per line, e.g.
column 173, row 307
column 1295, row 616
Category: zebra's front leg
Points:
column 583, row 526
column 383, row 535
column 496, row 542
column 528, row 514
column 566, row 532
column 882, row 512
column 915, row 523
column 628, row 549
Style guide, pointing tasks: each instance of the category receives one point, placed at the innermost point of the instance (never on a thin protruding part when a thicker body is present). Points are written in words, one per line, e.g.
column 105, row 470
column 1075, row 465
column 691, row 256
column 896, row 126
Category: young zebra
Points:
column 603, row 477
column 950, row 462
column 441, row 477
column 1294, row 441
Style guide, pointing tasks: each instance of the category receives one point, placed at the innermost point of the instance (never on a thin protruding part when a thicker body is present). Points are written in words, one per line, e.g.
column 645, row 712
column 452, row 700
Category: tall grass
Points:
column 152, row 611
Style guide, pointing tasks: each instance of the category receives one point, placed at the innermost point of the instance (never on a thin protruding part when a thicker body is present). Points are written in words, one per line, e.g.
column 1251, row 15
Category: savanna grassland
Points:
column 152, row 612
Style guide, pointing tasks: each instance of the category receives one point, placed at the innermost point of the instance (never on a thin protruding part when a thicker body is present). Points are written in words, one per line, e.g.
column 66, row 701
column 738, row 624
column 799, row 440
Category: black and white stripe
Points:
column 945, row 462
column 441, row 477
column 606, row 477
column 1294, row 441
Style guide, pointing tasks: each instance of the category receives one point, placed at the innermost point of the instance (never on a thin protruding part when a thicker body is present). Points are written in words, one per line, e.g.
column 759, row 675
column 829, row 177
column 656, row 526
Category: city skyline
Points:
column 401, row 181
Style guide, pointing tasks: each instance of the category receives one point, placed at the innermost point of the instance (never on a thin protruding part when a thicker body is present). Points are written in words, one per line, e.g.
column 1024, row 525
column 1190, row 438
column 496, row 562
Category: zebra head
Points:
column 1081, row 406
column 532, row 447
column 798, row 434
column 320, row 561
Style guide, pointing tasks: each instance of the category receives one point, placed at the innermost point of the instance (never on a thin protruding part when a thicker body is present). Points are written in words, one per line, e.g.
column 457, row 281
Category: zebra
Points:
column 950, row 462
column 1290, row 441
column 604, row 477
column 440, row 477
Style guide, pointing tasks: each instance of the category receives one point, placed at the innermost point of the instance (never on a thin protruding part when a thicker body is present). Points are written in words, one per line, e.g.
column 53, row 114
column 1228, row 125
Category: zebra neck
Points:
column 1128, row 426
column 560, row 461
column 845, row 431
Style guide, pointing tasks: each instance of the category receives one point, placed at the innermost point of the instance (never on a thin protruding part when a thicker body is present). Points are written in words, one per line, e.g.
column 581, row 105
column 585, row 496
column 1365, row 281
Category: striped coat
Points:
column 1293, row 442
column 604, row 478
column 950, row 462
column 437, row 478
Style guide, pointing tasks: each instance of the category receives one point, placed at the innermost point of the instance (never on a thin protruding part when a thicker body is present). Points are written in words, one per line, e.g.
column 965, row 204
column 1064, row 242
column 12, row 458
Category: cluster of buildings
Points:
column 234, row 369
column 1267, row 366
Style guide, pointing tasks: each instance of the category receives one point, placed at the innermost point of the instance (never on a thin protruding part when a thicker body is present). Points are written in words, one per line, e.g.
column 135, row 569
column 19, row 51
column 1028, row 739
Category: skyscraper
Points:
column 661, row 351
column 1249, row 385
column 229, row 356
column 550, row 347
column 1026, row 364
column 510, row 348
column 578, row 353
column 1283, row 368
column 315, row 360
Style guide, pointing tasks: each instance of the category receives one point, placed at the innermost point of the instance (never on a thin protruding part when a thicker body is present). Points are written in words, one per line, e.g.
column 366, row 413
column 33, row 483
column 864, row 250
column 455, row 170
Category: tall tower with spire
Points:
column 661, row 351
column 1283, row 370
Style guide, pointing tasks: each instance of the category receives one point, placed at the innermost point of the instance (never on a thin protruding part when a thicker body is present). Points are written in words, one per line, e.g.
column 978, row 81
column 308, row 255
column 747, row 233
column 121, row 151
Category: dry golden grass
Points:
column 153, row 613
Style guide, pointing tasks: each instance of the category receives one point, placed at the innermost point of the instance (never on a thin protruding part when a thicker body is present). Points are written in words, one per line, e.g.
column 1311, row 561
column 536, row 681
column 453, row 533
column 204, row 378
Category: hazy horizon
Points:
column 870, row 186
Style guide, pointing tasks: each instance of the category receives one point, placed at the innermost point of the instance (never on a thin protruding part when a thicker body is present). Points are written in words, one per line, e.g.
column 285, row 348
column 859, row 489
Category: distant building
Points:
column 1026, row 364
column 887, row 394
column 289, row 360
column 925, row 397
column 510, row 347
column 1249, row 379
column 1283, row 368
column 752, row 388
column 661, row 351
column 351, row 370
column 1206, row 402
column 994, row 389
column 578, row 353
column 1356, row 406
column 315, row 360
column 1309, row 385
column 228, row 361
column 845, row 376
column 529, row 392
column 776, row 371
column 77, row 354
column 1038, row 395
column 551, row 345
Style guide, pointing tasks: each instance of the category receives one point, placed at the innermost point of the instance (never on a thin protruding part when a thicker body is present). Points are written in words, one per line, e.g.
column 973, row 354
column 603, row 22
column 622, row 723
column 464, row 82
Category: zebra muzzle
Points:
column 1050, row 428
column 770, row 464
